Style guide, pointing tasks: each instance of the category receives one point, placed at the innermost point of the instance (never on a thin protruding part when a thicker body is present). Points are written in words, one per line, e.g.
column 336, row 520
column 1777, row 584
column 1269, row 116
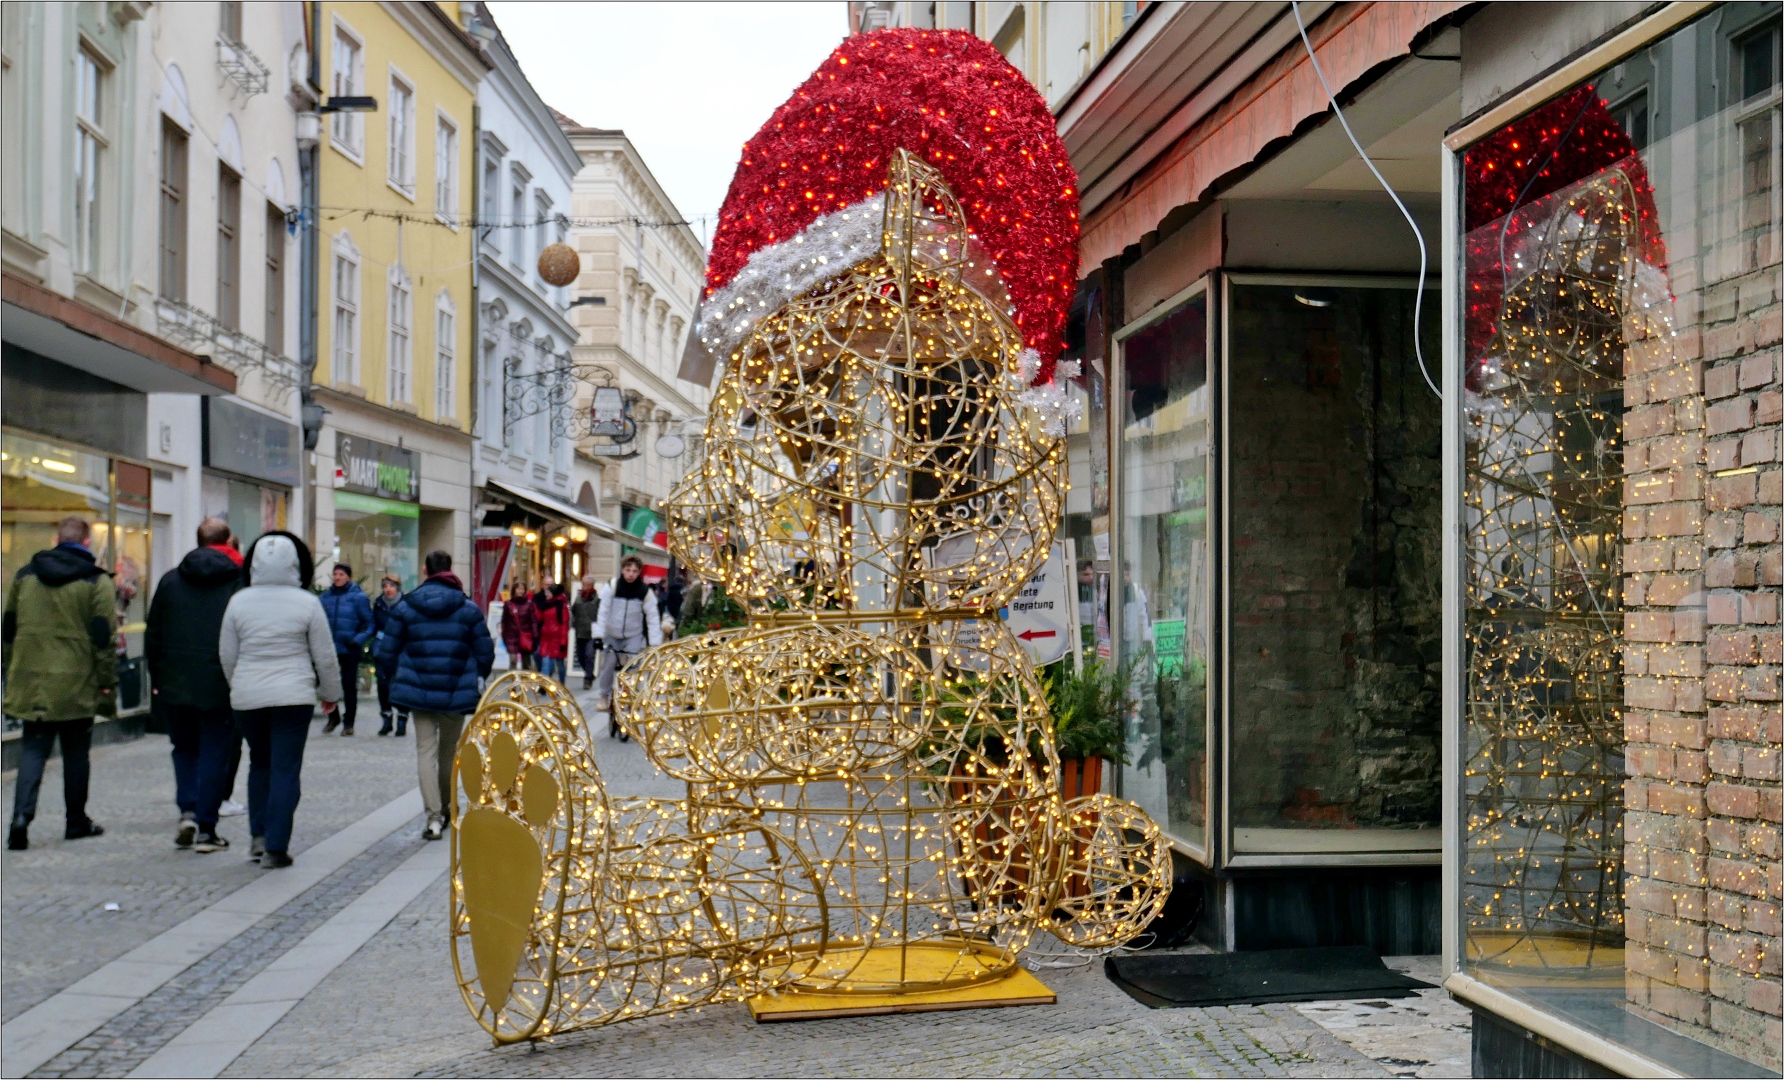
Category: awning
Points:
column 554, row 507
column 1224, row 133
column 50, row 324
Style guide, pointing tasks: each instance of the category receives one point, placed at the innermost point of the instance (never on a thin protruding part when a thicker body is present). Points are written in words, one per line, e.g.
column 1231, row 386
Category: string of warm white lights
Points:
column 873, row 791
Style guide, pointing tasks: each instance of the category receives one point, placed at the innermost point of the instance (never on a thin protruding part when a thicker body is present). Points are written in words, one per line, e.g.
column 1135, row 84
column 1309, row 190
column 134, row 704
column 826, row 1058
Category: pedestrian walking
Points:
column 278, row 653
column 553, row 608
column 583, row 614
column 350, row 621
column 185, row 623
column 59, row 630
column 629, row 622
column 520, row 629
column 390, row 591
column 440, row 648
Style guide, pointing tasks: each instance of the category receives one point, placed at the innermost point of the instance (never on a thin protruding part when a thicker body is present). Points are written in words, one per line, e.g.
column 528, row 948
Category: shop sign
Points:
column 1040, row 615
column 240, row 440
column 644, row 522
column 376, row 469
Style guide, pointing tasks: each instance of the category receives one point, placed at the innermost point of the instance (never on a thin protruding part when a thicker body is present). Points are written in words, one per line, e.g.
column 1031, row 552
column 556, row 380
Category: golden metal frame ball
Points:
column 873, row 801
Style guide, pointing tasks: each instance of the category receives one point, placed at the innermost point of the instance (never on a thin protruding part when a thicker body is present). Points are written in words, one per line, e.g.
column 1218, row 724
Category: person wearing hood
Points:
column 59, row 633
column 180, row 645
column 350, row 621
column 439, row 647
column 629, row 621
column 278, row 653
column 390, row 592
column 553, row 608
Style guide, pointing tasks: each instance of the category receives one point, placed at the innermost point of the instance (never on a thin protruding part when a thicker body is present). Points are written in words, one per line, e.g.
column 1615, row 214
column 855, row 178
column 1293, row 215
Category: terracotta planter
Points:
column 1080, row 776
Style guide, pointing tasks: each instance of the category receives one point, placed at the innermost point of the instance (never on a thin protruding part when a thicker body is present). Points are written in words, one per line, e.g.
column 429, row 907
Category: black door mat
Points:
column 1185, row 980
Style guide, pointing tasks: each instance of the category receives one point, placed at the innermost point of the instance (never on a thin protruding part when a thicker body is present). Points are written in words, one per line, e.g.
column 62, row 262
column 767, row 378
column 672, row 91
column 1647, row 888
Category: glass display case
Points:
column 1162, row 587
column 1276, row 599
column 1333, row 593
column 1616, row 452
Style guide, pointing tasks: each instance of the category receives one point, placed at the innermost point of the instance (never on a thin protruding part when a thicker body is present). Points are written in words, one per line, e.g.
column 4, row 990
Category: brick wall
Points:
column 1702, row 656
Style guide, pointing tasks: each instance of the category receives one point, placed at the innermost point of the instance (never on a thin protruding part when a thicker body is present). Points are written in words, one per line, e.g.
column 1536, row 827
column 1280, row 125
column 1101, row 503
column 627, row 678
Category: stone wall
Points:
column 1336, row 589
column 1702, row 577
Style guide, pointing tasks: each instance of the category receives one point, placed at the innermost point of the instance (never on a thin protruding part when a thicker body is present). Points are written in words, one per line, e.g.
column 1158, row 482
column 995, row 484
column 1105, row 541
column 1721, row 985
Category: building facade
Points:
column 527, row 523
column 395, row 346
column 642, row 271
column 152, row 281
column 1434, row 494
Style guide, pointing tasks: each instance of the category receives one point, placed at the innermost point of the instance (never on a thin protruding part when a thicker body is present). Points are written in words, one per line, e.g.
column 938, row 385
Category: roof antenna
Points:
column 1418, row 299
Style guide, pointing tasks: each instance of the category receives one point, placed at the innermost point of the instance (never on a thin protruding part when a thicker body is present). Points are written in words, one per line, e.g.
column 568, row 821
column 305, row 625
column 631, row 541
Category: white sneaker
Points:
column 231, row 808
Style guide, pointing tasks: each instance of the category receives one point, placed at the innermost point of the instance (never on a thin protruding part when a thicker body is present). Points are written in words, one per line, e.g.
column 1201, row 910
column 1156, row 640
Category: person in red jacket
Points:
column 520, row 630
column 553, row 607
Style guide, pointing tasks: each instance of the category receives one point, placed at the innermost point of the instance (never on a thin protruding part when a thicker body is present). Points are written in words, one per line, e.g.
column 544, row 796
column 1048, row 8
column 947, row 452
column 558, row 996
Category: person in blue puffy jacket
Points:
column 350, row 622
column 439, row 646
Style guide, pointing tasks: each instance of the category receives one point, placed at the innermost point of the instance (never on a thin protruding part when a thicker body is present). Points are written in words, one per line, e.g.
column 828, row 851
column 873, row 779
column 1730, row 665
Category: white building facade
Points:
column 149, row 191
column 642, row 271
column 525, row 425
column 215, row 232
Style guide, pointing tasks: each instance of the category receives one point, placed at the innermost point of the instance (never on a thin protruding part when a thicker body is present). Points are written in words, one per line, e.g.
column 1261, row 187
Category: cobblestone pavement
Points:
column 128, row 1040
column 393, row 1008
column 55, row 928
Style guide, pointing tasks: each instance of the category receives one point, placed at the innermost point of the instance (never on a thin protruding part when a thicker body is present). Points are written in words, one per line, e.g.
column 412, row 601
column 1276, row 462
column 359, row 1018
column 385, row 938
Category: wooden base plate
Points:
column 1017, row 988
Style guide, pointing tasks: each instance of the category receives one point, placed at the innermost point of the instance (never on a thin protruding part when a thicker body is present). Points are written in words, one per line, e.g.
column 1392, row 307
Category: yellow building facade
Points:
column 396, row 290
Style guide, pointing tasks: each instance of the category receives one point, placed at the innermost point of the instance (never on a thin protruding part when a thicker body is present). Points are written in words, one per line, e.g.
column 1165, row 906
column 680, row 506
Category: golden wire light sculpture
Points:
column 873, row 795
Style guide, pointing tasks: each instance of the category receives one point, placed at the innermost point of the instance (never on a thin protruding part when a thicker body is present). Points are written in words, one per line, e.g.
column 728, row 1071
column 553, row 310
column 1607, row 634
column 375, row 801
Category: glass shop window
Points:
column 45, row 482
column 1335, row 583
column 1620, row 347
column 1161, row 587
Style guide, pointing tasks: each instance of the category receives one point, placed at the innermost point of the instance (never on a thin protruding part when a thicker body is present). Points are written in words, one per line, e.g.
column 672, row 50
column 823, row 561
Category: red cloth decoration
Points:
column 1552, row 147
column 950, row 98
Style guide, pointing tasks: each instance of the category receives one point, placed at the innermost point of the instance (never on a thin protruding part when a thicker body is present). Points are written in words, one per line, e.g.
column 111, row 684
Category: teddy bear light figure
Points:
column 873, row 817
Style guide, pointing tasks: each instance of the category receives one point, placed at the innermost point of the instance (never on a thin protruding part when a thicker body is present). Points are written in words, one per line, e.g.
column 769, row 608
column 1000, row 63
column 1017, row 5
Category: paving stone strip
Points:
column 134, row 1035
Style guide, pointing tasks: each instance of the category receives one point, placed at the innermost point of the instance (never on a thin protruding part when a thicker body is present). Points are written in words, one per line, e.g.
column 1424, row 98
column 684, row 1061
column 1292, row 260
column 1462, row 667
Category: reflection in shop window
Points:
column 1162, row 584
column 1620, row 536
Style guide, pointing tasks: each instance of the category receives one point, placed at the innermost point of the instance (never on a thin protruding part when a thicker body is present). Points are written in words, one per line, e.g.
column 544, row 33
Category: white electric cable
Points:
column 1418, row 300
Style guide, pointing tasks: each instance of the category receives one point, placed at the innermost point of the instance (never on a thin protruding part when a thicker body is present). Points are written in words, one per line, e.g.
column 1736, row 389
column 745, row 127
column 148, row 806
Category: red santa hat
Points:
column 806, row 202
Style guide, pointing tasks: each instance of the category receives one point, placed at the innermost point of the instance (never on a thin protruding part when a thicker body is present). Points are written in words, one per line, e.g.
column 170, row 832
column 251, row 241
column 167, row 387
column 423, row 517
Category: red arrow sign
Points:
column 1030, row 635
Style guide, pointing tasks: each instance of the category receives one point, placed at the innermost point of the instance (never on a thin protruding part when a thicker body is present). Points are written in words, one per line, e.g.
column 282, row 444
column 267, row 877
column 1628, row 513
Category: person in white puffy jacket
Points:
column 279, row 658
column 628, row 622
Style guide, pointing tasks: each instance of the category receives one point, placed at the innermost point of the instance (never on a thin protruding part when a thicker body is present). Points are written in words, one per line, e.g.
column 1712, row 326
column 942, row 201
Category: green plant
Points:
column 1087, row 708
column 712, row 609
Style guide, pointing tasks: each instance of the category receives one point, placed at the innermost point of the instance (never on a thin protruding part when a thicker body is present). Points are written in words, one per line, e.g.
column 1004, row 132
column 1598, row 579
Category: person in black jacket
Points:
column 180, row 646
column 439, row 644
column 390, row 593
column 583, row 614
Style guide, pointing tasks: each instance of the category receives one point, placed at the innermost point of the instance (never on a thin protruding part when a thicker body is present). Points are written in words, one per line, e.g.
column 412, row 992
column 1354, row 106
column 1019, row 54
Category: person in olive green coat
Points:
column 59, row 630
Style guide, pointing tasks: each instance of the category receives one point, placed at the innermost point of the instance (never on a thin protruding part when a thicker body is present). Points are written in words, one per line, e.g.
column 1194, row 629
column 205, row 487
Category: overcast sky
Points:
column 689, row 82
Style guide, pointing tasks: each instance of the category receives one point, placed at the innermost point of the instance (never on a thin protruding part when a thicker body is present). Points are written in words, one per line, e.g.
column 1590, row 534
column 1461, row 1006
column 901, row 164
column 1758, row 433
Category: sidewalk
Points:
column 354, row 978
